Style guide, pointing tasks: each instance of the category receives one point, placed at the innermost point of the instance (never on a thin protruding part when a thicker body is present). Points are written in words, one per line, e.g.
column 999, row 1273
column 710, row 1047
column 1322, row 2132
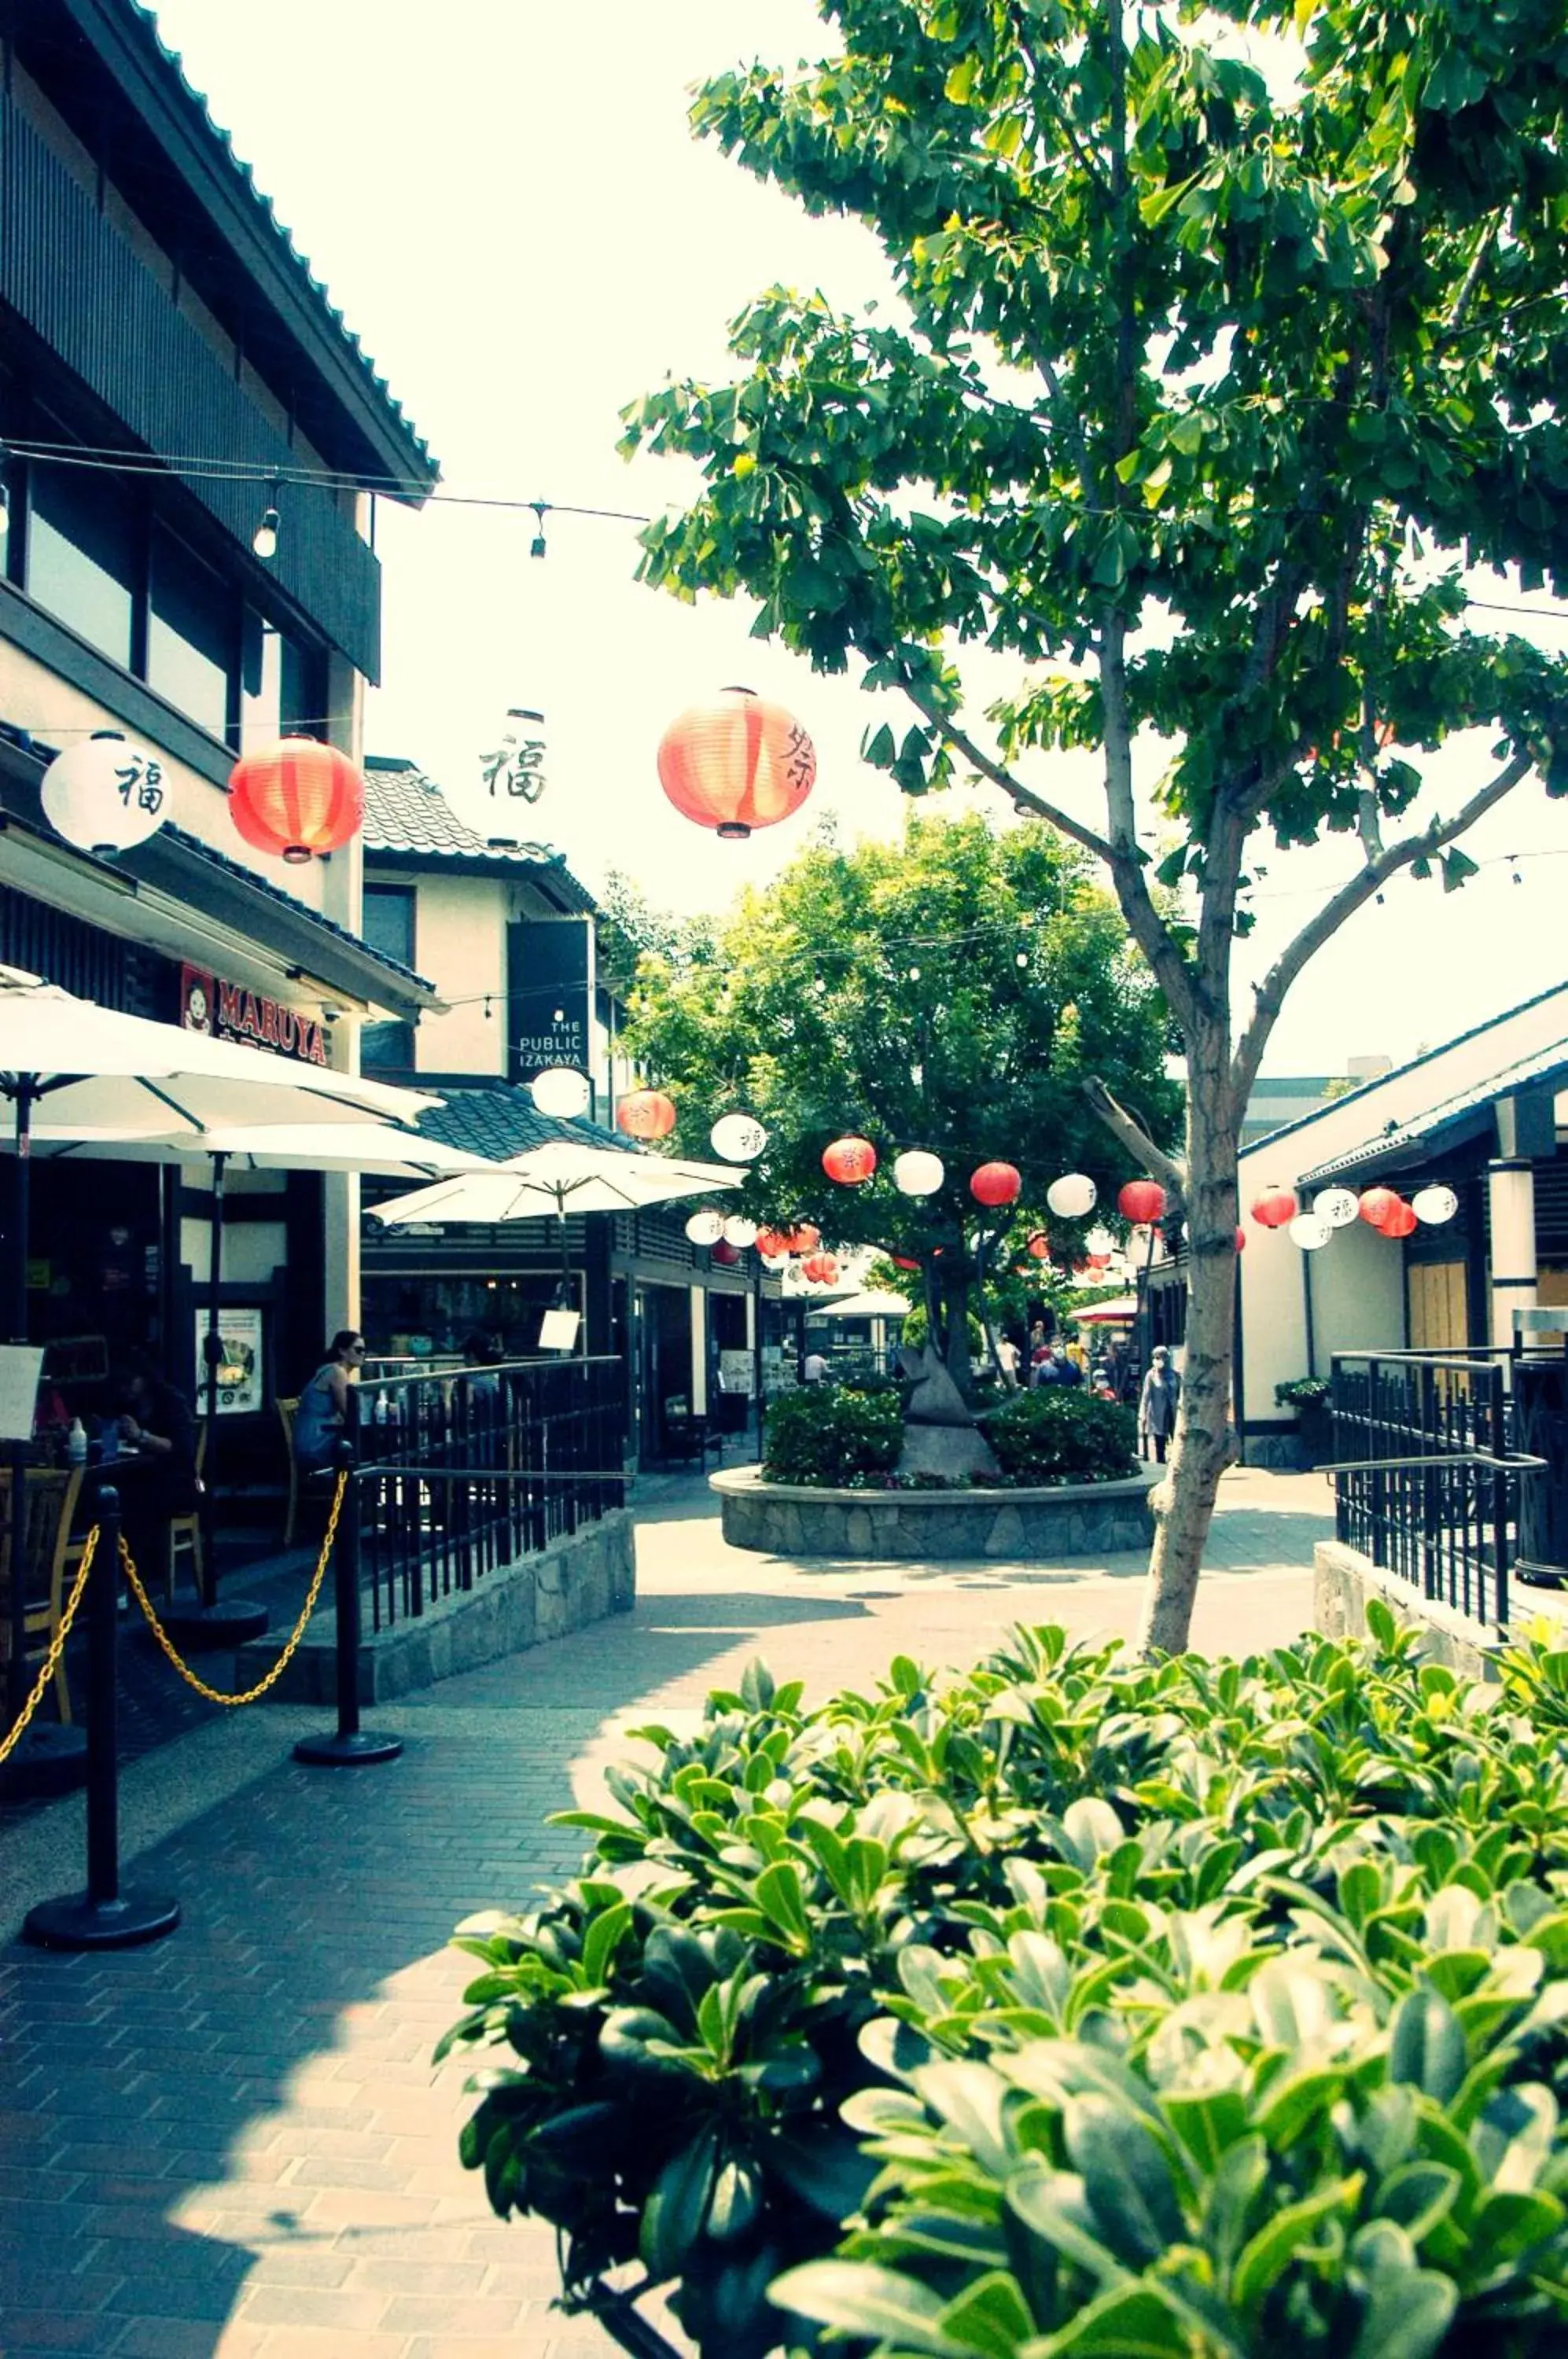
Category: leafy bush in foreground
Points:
column 1211, row 2010
column 824, row 1435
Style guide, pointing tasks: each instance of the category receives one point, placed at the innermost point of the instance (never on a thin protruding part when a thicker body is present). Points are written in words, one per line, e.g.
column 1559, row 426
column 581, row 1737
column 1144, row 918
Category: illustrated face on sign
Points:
column 198, row 1010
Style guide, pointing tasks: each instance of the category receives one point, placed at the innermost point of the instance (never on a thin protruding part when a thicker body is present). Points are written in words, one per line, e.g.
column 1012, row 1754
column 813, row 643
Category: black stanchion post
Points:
column 349, row 1746
column 103, row 1917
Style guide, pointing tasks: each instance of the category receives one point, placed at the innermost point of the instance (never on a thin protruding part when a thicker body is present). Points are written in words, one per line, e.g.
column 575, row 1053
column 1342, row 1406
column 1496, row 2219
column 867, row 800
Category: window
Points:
column 84, row 556
column 388, row 927
column 190, row 634
column 282, row 685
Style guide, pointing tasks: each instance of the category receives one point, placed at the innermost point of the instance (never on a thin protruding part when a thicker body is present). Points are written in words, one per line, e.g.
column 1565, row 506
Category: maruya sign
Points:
column 208, row 1004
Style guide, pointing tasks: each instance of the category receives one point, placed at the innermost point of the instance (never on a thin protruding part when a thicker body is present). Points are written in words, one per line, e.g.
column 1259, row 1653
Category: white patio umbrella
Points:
column 563, row 1176
column 75, row 1071
column 872, row 1304
column 560, row 1177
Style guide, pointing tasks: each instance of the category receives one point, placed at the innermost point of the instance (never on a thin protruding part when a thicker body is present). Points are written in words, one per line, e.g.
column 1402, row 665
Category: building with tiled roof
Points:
column 408, row 822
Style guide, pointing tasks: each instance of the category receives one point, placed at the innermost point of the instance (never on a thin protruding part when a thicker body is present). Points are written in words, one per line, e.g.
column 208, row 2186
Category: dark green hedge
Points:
column 1052, row 1435
column 825, row 1435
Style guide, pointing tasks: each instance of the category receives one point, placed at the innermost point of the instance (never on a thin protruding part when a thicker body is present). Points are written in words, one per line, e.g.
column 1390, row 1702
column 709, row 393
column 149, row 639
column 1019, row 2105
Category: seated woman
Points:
column 323, row 1413
column 158, row 1422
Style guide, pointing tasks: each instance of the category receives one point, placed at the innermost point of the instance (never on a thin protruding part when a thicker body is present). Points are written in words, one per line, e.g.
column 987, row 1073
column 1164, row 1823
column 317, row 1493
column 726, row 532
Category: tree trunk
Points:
column 1184, row 1501
column 954, row 1344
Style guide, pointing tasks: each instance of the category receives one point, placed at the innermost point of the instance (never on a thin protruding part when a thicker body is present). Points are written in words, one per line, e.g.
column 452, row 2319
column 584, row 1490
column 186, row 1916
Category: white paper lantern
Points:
column 739, row 1231
column 106, row 794
column 1337, row 1206
column 739, row 1137
column 1310, row 1230
column 1072, row 1196
column 1100, row 1241
column 917, row 1173
column 560, row 1090
column 706, row 1228
column 1434, row 1205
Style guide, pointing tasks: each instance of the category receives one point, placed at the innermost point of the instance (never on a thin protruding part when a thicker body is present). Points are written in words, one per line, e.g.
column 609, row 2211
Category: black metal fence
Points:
column 1429, row 1481
column 461, row 1472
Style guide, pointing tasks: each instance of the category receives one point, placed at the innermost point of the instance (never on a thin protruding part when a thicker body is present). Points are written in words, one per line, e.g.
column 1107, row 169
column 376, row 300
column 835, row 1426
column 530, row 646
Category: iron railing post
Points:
column 349, row 1746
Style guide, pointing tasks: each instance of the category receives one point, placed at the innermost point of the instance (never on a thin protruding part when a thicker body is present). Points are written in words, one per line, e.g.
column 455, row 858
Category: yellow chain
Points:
column 216, row 1695
column 56, row 1645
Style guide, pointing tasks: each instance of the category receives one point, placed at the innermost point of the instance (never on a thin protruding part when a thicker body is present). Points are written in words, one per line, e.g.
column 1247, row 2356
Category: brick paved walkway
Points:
column 232, row 2143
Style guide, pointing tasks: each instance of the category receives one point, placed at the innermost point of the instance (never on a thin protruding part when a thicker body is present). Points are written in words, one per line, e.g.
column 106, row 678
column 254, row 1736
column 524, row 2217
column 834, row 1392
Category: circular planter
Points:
column 1068, row 1519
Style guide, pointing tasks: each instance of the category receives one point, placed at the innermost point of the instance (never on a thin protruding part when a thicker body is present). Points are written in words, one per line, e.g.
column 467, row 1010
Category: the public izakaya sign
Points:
column 550, row 995
column 228, row 1011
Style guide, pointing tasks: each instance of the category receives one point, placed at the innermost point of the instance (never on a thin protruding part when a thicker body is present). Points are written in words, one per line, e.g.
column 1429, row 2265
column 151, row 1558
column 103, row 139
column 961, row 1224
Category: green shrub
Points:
column 1068, row 2007
column 826, row 1435
column 1054, row 1435
column 1304, row 1392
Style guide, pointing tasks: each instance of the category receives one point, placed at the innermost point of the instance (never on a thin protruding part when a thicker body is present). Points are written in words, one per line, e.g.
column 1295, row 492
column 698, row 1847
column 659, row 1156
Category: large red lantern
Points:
column 995, row 1184
column 1141, row 1201
column 1376, row 1205
column 772, row 1244
column 850, row 1161
column 1274, row 1208
column 804, row 1238
column 821, row 1269
column 736, row 764
column 1401, row 1220
column 645, row 1113
column 297, row 798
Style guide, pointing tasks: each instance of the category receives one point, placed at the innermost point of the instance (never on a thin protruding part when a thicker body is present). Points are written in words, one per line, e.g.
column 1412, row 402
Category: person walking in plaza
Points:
column 1157, row 1406
column 323, row 1413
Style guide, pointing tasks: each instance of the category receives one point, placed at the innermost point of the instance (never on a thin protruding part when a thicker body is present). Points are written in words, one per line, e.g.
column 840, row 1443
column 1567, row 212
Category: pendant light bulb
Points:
column 265, row 540
column 537, row 546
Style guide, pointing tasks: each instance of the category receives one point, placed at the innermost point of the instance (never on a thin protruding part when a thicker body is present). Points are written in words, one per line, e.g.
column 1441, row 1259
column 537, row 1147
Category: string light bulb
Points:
column 264, row 541
column 535, row 546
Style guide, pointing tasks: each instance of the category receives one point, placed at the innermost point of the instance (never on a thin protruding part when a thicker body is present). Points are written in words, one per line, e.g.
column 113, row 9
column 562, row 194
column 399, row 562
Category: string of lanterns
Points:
column 296, row 799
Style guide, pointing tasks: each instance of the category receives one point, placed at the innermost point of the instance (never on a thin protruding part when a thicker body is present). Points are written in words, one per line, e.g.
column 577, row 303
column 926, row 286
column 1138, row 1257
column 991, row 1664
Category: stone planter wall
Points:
column 1075, row 1520
column 577, row 1580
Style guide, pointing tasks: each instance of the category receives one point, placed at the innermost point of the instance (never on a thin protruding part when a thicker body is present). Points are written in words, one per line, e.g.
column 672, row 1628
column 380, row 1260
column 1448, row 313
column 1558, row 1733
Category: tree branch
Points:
column 1130, row 1133
column 1271, row 991
column 1024, row 797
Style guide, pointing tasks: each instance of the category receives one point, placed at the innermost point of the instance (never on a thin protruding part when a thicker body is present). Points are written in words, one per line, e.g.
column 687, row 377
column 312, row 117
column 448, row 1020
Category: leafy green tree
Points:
column 949, row 993
column 1228, row 335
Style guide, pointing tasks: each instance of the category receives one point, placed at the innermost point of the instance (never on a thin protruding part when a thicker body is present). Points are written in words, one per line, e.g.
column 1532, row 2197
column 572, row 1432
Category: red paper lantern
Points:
column 645, row 1113
column 1241, row 1240
column 772, row 1244
column 1099, row 1261
column 1038, row 1246
column 850, row 1161
column 297, row 798
column 820, row 1267
column 1400, row 1221
column 1376, row 1205
column 902, row 1261
column 804, row 1238
column 1140, row 1202
column 1274, row 1208
column 736, row 764
column 724, row 1252
column 995, row 1184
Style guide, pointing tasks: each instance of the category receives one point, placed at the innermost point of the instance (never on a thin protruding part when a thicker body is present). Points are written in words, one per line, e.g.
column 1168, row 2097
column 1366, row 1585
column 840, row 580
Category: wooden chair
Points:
column 286, row 1409
column 185, row 1531
column 49, row 1497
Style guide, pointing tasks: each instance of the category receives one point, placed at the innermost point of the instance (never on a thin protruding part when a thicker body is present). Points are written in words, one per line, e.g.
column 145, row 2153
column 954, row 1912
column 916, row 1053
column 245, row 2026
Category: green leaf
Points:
column 860, row 2299
column 990, row 2316
column 1126, row 2179
column 779, row 1897
column 1128, row 2322
column 673, row 2215
column 1426, row 2047
column 1052, row 2203
column 1289, row 2233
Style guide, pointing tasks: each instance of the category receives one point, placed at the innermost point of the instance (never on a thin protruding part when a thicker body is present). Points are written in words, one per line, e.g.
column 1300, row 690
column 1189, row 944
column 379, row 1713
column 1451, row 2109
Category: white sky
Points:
column 505, row 199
